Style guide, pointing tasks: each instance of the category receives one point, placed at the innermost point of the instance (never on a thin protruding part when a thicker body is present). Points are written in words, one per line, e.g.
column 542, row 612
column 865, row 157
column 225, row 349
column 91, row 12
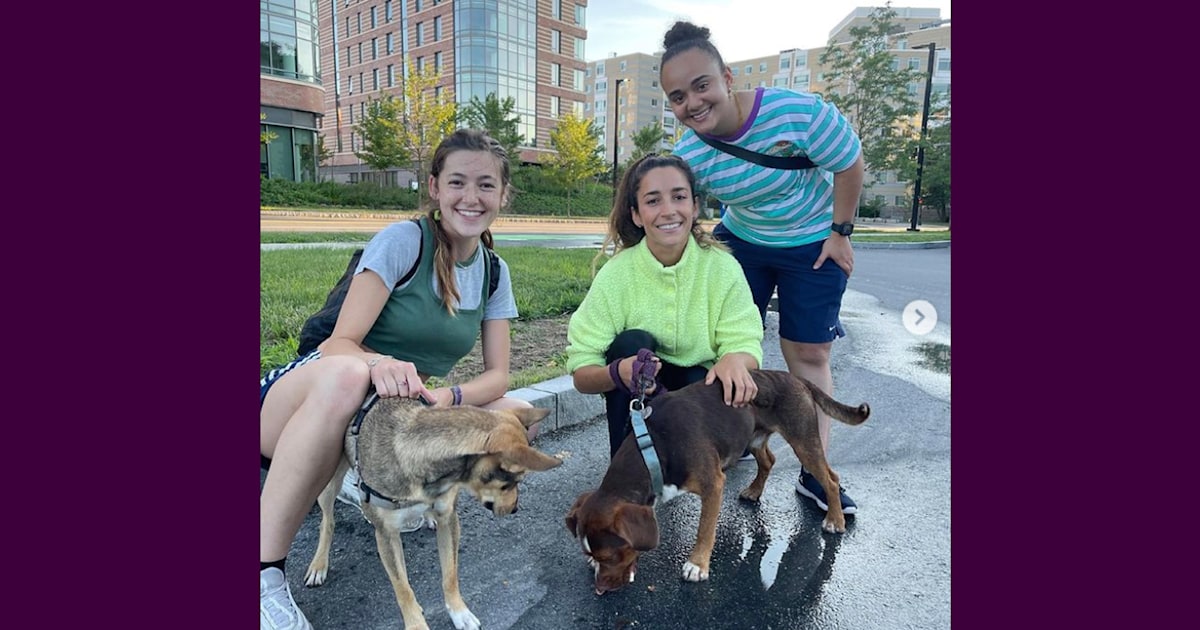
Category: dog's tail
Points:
column 845, row 413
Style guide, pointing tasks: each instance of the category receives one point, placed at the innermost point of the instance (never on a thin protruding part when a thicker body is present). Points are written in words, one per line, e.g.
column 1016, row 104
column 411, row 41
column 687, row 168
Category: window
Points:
column 391, row 79
column 914, row 63
column 894, row 64
column 387, row 11
column 782, row 82
column 762, row 67
column 420, row 63
column 943, row 64
column 749, row 70
column 785, row 63
column 579, row 48
column 556, row 9
column 361, row 58
column 653, row 102
column 389, row 44
column 599, row 69
column 579, row 83
column 555, row 42
column 899, row 199
column 555, row 74
column 801, row 62
column 580, row 15
column 349, row 84
column 654, row 83
column 554, row 106
column 601, row 86
column 373, row 23
column 418, row 7
column 912, row 89
column 437, row 28
column 374, row 48
column 902, row 44
column 437, row 62
column 733, row 71
column 622, row 66
column 358, row 20
column 375, row 78
column 347, row 26
column 420, row 33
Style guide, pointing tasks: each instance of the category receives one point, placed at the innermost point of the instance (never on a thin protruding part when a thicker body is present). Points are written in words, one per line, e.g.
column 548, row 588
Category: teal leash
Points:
column 638, row 410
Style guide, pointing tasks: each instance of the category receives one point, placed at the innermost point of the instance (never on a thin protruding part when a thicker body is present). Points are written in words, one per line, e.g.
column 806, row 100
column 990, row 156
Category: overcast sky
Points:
column 637, row 26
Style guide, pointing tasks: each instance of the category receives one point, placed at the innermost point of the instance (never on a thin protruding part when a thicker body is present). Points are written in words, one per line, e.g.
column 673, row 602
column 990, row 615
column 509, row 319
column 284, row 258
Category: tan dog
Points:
column 415, row 454
column 697, row 437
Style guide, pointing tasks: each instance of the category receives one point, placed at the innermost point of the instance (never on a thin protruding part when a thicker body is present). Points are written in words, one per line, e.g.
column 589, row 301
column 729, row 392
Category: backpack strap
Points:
column 794, row 163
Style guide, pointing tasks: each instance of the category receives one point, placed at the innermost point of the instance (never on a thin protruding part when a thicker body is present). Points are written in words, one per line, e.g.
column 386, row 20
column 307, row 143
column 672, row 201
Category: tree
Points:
column 578, row 157
column 427, row 118
column 872, row 94
column 935, row 174
column 496, row 117
column 324, row 153
column 379, row 130
column 646, row 140
column 265, row 136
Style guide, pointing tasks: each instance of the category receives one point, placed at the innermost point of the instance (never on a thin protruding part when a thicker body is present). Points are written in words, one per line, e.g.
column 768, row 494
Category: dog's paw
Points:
column 464, row 619
column 693, row 573
column 832, row 527
column 315, row 576
column 750, row 494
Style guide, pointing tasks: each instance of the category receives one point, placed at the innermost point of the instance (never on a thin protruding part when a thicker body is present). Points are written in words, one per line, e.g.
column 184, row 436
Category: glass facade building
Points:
column 495, row 45
column 290, row 90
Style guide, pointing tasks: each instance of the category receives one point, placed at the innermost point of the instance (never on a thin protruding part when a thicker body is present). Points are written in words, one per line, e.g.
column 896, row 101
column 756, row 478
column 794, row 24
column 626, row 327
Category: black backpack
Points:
column 319, row 326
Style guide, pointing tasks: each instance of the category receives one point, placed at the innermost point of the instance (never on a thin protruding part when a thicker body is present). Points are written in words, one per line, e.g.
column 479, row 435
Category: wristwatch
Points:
column 845, row 229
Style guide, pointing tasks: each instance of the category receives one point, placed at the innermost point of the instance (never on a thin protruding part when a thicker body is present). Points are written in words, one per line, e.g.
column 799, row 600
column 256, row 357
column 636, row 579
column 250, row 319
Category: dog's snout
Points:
column 490, row 506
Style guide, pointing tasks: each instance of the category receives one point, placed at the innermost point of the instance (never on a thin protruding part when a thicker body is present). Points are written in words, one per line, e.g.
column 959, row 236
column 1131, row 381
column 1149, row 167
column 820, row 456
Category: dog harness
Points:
column 366, row 493
column 643, row 378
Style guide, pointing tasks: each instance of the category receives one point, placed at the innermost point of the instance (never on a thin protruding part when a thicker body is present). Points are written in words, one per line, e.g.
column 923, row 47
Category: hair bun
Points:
column 683, row 32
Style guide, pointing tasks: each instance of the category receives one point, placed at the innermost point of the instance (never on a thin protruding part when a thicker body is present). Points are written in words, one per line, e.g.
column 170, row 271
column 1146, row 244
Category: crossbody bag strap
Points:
column 794, row 163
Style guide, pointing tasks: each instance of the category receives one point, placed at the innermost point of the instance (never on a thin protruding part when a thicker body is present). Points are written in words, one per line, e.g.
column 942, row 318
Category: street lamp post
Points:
column 916, row 203
column 616, row 131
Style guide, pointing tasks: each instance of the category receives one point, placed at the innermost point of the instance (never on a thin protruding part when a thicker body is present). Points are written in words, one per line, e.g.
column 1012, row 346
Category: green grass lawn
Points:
column 294, row 282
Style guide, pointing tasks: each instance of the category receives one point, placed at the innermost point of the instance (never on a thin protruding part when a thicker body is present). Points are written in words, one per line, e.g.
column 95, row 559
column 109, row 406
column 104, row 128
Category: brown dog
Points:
column 696, row 437
column 415, row 454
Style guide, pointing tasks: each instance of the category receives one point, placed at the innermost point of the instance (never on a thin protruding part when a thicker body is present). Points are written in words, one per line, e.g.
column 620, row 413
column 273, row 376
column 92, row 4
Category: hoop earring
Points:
column 437, row 214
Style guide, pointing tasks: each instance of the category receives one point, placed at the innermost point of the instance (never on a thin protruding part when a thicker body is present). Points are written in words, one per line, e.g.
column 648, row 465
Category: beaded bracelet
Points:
column 457, row 392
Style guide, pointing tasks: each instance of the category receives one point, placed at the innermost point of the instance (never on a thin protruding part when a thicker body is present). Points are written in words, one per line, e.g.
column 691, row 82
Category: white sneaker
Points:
column 411, row 518
column 349, row 493
column 276, row 608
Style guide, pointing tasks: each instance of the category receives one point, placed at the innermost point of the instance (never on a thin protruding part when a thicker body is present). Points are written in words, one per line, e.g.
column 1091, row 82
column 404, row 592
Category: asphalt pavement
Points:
column 773, row 568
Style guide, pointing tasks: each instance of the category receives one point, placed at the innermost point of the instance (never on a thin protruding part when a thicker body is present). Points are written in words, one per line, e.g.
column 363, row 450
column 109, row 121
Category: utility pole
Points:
column 616, row 131
column 916, row 204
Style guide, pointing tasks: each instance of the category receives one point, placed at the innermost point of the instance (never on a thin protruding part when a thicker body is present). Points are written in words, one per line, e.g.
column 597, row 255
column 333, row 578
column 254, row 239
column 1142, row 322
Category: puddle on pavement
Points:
column 934, row 356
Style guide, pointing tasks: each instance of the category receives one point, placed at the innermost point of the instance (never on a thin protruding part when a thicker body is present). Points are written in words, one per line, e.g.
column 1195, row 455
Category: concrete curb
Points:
column 891, row 245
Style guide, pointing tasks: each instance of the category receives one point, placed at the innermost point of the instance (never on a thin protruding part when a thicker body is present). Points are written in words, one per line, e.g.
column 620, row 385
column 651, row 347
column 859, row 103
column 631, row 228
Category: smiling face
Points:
column 470, row 192
column 666, row 210
column 698, row 89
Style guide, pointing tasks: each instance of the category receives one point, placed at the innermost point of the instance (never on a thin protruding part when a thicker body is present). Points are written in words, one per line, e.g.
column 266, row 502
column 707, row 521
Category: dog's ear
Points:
column 636, row 524
column 530, row 416
column 529, row 458
column 572, row 516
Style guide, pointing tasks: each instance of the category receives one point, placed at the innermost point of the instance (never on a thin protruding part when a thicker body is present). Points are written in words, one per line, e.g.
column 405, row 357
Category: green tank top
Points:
column 414, row 325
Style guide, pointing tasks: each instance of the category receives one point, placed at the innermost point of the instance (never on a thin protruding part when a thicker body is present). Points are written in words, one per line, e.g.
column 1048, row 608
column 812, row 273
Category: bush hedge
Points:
column 538, row 194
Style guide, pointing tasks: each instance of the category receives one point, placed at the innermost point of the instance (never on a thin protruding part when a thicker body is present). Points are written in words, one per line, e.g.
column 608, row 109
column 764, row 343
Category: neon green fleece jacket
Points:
column 699, row 309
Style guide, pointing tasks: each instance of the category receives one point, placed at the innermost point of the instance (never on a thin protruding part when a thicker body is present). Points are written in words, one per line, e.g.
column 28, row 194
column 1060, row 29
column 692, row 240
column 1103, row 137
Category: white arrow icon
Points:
column 919, row 317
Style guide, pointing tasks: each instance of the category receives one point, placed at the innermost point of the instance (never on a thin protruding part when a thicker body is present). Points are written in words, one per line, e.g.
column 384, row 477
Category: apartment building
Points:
column 531, row 50
column 623, row 95
column 291, row 94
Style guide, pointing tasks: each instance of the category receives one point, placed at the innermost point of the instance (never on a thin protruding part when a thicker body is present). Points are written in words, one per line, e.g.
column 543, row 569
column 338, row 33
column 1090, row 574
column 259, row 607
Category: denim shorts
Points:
column 809, row 299
column 267, row 381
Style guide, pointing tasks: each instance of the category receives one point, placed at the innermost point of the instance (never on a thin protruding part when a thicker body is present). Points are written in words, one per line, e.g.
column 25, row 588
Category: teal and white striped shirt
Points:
column 770, row 207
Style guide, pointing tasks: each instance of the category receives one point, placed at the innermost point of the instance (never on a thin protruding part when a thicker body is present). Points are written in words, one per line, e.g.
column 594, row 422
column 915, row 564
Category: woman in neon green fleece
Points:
column 669, row 287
